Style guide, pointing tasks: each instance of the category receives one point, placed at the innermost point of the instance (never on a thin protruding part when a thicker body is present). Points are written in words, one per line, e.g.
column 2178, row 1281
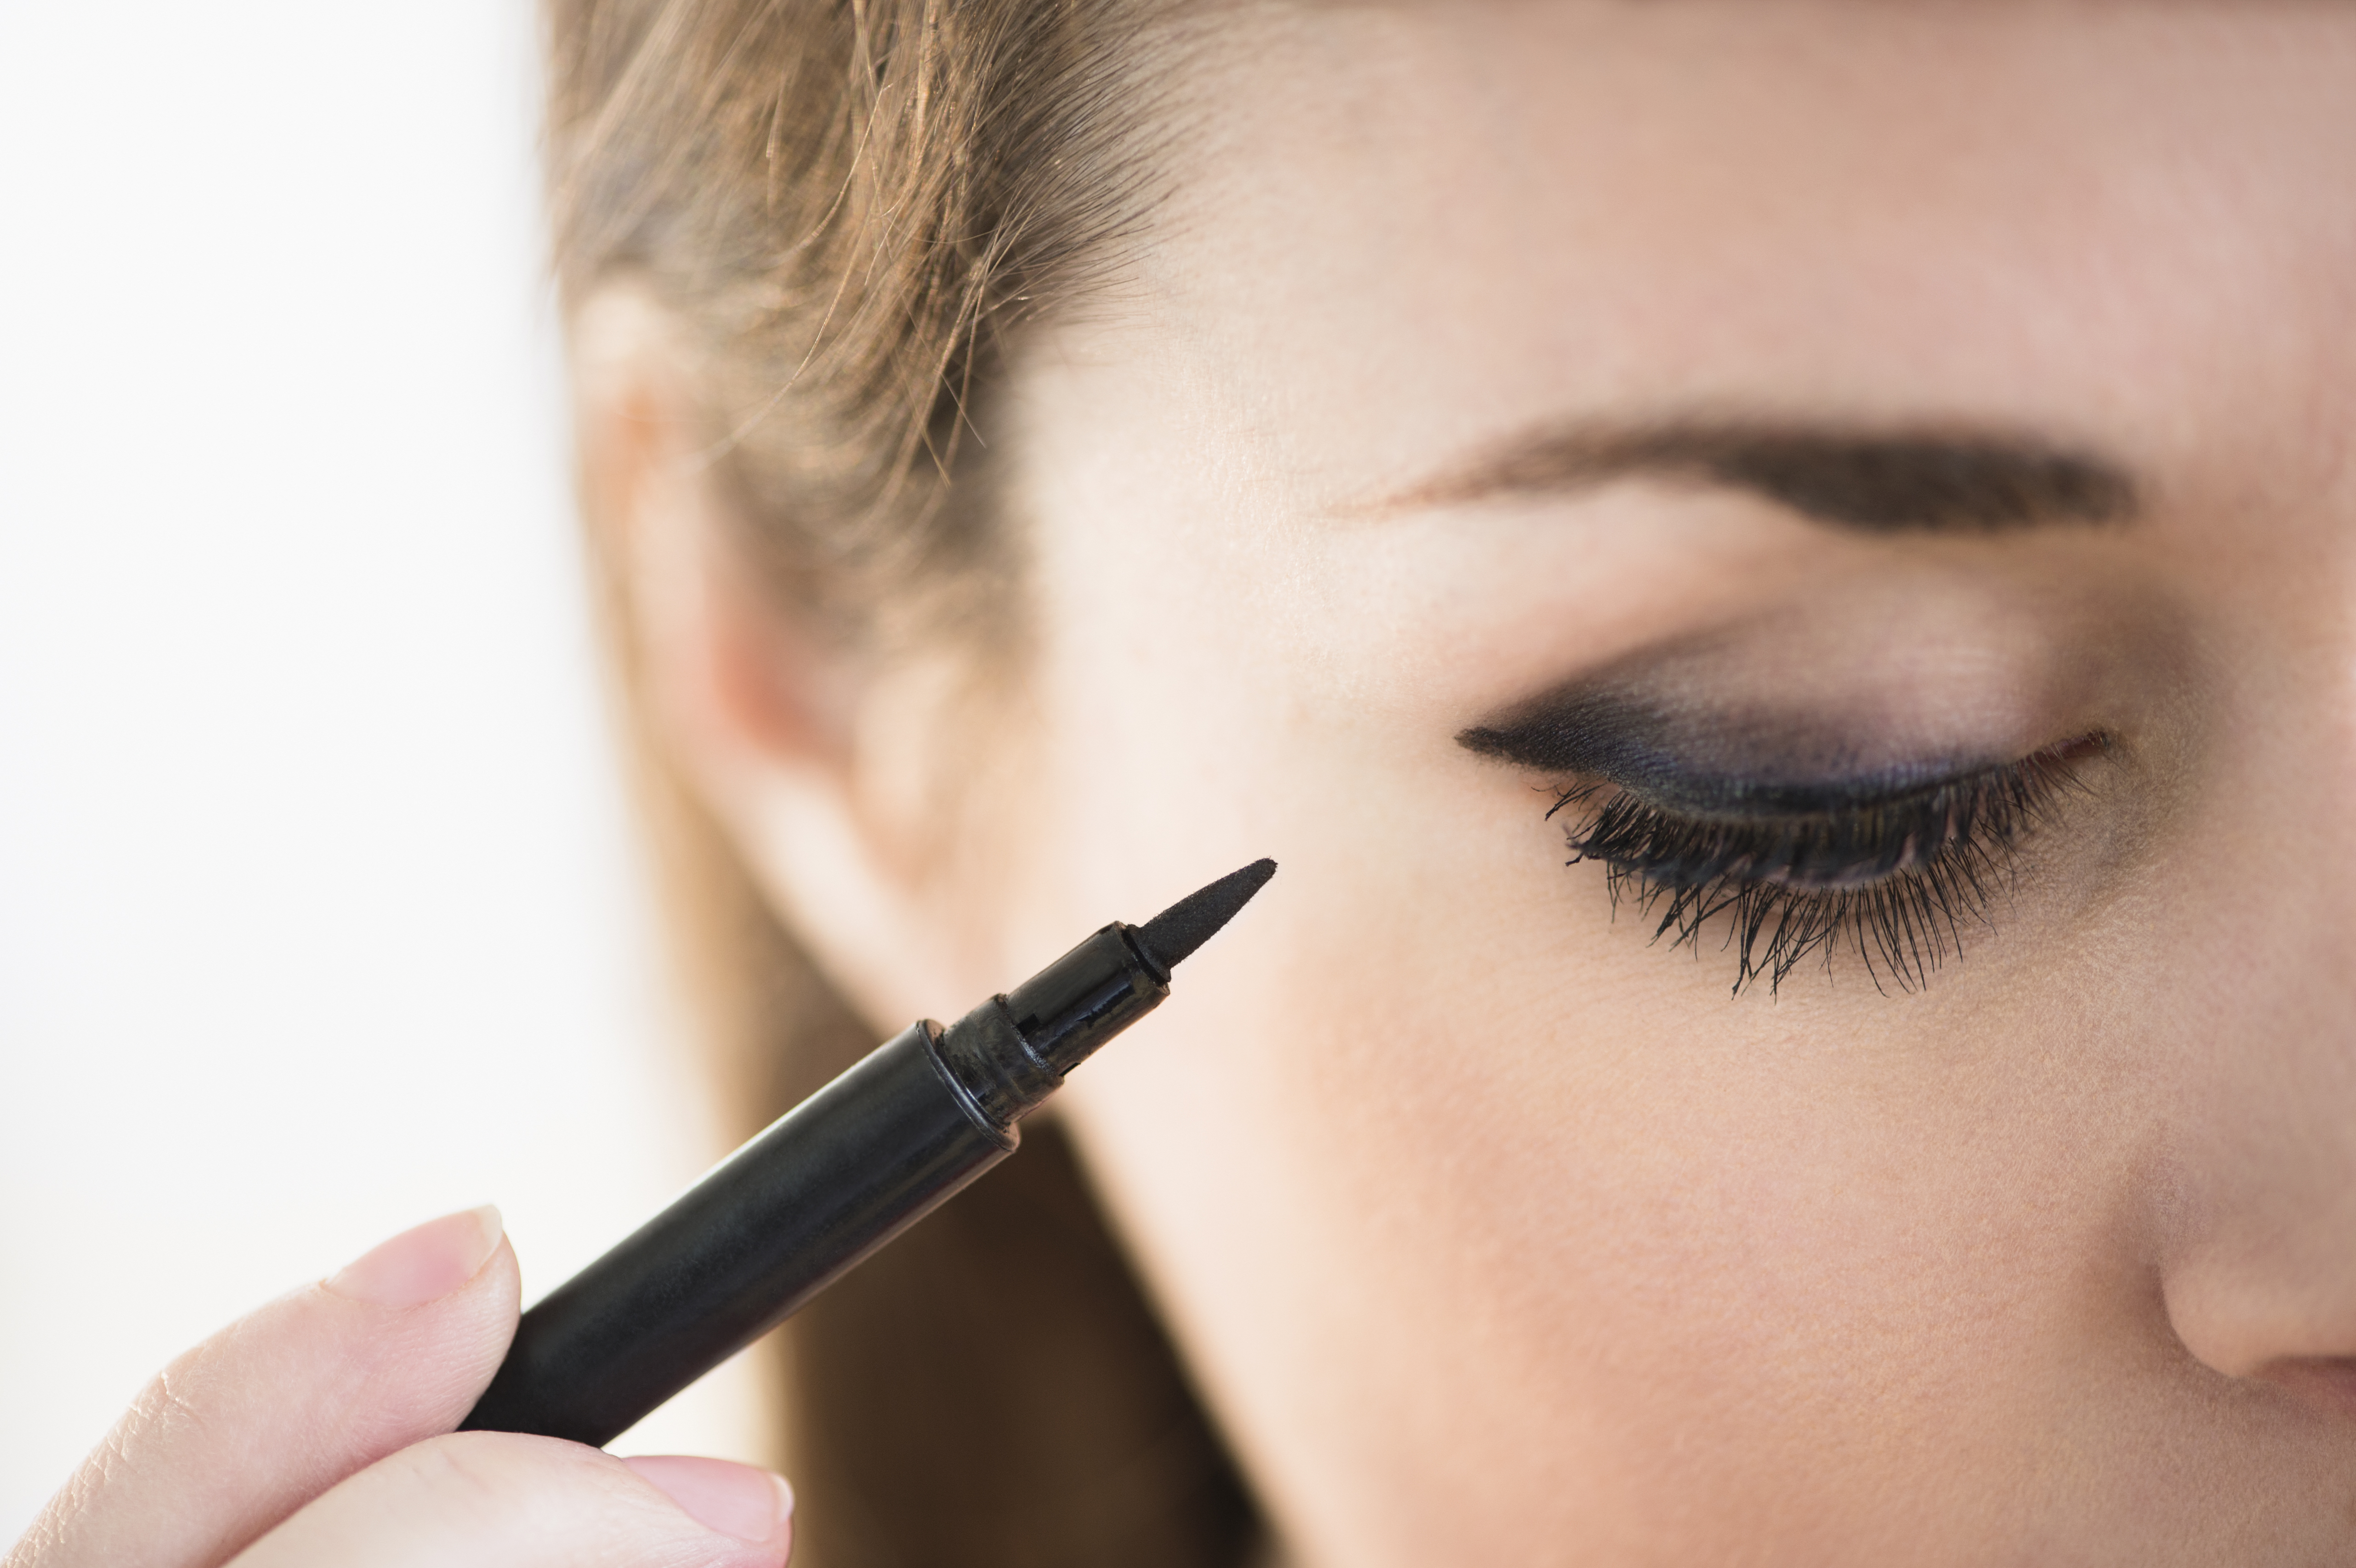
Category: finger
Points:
column 734, row 1500
column 242, row 1431
column 495, row 1500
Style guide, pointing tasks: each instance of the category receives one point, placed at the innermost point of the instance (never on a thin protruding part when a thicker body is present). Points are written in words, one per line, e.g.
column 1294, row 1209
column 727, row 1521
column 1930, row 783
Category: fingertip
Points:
column 740, row 1501
column 296, row 1398
column 423, row 1264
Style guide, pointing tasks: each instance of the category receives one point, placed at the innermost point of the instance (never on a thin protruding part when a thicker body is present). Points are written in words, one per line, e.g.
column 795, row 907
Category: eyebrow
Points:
column 1871, row 481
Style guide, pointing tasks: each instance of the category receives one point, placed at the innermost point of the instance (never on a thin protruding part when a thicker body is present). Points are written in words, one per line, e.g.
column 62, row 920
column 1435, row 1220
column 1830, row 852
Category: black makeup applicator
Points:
column 830, row 1182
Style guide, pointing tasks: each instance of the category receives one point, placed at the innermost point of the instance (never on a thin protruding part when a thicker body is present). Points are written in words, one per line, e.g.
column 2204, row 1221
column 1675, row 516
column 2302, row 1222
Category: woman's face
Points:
column 1752, row 417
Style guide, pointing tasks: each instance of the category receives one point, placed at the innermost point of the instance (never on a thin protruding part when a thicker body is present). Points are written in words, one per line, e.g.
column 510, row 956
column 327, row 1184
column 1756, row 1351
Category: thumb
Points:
column 242, row 1431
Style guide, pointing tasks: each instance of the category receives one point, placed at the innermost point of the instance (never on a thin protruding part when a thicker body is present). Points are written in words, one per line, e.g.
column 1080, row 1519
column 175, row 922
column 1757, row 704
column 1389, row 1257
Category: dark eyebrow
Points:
column 1897, row 481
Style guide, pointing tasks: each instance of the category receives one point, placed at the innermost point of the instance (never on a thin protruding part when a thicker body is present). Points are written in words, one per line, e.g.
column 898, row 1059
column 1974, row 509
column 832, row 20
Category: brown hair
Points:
column 845, row 206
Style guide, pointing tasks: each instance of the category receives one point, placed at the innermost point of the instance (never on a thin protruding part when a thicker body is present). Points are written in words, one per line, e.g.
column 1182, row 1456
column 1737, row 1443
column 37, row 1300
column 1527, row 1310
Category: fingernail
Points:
column 734, row 1500
column 424, row 1265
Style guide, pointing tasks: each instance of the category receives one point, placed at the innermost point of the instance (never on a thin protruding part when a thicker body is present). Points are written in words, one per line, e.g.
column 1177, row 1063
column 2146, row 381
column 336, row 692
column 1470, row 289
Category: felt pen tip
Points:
column 1170, row 938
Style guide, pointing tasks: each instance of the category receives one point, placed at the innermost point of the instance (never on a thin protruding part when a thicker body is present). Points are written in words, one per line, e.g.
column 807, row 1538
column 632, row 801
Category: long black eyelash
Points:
column 1895, row 879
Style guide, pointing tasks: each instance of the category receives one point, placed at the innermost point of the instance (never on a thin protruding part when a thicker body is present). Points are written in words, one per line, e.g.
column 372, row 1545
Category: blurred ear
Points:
column 812, row 756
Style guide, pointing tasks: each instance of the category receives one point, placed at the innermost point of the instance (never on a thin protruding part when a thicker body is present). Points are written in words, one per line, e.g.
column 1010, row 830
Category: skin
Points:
column 1494, row 1231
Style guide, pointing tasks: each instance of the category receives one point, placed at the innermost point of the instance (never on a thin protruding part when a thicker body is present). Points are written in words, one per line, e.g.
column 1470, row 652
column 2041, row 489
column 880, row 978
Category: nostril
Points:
column 2268, row 1315
column 2252, row 1254
column 2227, row 1330
column 2325, row 1383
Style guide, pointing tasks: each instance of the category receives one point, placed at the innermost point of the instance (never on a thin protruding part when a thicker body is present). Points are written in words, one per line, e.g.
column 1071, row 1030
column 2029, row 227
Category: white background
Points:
column 317, row 913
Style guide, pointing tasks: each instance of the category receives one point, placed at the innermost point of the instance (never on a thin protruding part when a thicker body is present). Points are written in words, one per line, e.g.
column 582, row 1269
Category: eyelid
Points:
column 1895, row 879
column 1738, row 797
column 1708, row 759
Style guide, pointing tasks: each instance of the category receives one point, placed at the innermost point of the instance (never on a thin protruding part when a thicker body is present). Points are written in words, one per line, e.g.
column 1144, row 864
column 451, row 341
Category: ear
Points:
column 815, row 759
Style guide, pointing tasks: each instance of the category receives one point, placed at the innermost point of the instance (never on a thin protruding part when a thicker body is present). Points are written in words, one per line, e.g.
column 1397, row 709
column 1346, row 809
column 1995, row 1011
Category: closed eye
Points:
column 1797, row 873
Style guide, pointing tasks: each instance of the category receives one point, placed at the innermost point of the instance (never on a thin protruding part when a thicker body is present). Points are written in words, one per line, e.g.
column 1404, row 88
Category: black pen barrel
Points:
column 826, row 1185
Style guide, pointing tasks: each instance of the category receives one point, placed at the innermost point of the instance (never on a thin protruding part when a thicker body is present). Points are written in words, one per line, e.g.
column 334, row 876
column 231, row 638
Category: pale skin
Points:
column 1494, row 1231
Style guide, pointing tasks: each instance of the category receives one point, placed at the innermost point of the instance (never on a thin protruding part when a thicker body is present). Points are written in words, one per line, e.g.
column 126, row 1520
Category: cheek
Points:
column 1455, row 1261
column 1455, row 1188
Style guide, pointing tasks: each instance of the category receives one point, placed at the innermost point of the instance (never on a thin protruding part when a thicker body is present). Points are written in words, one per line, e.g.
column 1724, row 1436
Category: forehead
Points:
column 1403, row 227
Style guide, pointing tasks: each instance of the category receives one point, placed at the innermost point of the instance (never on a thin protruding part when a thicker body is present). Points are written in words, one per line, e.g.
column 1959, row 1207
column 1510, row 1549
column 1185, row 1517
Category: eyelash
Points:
column 1894, row 879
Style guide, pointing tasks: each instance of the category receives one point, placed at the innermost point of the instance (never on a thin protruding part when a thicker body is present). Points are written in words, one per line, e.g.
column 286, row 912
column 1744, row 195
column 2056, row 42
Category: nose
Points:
column 2260, row 1278
column 2258, row 1273
column 2266, row 1287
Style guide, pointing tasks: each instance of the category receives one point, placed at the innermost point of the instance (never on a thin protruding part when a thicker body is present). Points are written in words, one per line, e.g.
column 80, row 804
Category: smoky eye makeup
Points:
column 1761, row 759
column 1779, row 834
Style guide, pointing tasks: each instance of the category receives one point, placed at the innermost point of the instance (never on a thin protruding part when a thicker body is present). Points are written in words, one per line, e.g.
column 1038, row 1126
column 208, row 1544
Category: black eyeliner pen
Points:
column 830, row 1181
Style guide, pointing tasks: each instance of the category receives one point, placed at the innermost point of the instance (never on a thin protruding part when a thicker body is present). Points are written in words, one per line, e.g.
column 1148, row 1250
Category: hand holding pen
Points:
column 320, row 1429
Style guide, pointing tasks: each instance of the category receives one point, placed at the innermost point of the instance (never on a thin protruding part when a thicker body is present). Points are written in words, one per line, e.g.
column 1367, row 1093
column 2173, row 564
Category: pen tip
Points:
column 1170, row 938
